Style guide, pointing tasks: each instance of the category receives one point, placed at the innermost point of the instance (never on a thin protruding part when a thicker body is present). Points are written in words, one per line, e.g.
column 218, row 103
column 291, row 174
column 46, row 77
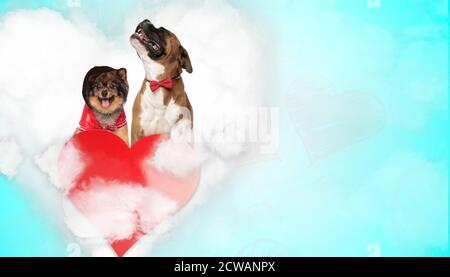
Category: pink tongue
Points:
column 105, row 103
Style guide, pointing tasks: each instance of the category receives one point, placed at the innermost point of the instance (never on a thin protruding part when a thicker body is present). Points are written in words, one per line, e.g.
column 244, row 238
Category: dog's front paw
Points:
column 182, row 132
column 162, row 126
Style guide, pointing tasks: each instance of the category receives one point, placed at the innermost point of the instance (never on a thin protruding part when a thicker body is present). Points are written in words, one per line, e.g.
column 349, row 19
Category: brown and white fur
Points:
column 163, row 56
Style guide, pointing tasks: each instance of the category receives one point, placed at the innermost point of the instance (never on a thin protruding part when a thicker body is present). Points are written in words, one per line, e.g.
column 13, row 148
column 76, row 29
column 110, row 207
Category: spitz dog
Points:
column 105, row 92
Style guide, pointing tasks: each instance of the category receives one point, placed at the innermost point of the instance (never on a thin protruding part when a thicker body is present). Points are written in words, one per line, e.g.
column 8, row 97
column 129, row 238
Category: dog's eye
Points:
column 112, row 86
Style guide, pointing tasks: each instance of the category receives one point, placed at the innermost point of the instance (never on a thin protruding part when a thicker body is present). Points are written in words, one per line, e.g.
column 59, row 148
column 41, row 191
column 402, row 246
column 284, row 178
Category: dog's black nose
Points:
column 104, row 93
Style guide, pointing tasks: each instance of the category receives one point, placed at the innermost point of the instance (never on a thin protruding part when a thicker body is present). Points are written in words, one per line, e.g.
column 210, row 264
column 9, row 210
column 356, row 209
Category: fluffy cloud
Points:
column 10, row 157
column 117, row 210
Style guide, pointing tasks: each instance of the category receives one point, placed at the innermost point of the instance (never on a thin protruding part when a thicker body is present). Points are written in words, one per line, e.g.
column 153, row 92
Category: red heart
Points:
column 106, row 157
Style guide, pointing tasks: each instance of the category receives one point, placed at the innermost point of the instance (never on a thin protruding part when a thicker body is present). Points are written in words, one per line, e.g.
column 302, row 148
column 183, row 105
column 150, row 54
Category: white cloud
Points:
column 10, row 157
column 178, row 158
column 48, row 163
column 118, row 209
column 61, row 167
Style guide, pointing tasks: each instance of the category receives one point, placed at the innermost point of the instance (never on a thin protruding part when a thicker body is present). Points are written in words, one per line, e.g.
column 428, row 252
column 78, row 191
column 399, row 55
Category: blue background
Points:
column 386, row 195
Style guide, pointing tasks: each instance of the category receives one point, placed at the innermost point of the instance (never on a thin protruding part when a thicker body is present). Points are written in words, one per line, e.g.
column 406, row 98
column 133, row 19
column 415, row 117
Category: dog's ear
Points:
column 123, row 87
column 185, row 61
column 122, row 73
column 87, row 84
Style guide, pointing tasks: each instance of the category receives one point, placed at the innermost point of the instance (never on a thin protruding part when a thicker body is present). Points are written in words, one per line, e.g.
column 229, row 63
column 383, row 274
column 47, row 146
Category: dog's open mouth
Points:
column 143, row 38
column 106, row 102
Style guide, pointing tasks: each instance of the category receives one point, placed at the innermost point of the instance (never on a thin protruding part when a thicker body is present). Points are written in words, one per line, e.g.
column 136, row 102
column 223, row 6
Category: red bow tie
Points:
column 166, row 83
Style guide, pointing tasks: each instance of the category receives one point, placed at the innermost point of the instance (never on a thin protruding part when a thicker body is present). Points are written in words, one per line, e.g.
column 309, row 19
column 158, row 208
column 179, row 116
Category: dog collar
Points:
column 89, row 121
column 166, row 83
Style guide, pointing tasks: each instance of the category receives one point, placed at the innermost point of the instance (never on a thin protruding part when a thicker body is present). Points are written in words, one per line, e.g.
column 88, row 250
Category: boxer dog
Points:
column 162, row 101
